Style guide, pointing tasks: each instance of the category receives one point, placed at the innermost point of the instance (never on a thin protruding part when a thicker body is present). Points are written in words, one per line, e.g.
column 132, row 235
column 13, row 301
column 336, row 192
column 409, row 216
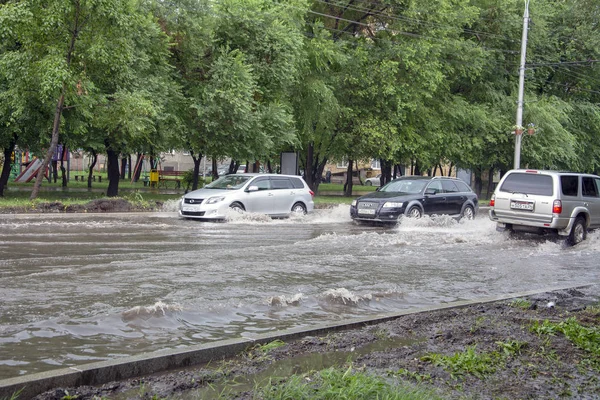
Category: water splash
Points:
column 159, row 309
column 343, row 296
column 283, row 301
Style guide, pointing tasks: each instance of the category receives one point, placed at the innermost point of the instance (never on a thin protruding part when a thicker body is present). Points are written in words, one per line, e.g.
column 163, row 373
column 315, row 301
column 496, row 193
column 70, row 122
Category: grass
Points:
column 336, row 383
column 467, row 362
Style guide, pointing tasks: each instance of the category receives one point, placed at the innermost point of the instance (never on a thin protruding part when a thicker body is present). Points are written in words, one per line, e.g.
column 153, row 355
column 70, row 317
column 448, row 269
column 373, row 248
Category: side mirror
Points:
column 252, row 188
column 430, row 191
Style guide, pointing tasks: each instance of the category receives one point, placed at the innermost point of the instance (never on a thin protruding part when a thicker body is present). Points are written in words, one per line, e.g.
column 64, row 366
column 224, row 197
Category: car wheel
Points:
column 238, row 207
column 468, row 213
column 369, row 183
column 299, row 208
column 414, row 212
column 578, row 232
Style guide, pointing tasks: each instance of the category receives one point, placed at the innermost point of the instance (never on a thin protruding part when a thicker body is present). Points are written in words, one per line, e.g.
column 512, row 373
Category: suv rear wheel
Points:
column 578, row 232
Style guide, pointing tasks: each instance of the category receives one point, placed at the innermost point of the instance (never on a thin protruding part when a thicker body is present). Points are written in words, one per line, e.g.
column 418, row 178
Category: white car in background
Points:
column 271, row 194
column 376, row 181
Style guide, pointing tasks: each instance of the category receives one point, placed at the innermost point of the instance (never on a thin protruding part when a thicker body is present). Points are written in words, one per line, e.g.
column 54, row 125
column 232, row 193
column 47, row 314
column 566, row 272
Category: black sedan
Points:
column 415, row 196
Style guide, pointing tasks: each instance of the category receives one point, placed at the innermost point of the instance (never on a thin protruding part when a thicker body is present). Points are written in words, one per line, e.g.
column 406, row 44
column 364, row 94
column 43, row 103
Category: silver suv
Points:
column 567, row 203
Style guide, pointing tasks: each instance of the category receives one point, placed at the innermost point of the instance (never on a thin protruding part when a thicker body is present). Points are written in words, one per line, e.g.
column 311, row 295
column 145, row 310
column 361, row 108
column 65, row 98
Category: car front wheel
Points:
column 578, row 232
column 299, row 208
column 414, row 212
column 468, row 213
column 369, row 183
column 237, row 207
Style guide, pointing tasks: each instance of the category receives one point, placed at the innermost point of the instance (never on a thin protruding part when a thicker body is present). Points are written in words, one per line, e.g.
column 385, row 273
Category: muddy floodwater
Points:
column 77, row 288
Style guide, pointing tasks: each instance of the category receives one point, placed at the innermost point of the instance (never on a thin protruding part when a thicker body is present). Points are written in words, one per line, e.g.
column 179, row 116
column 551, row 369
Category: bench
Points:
column 166, row 177
column 83, row 178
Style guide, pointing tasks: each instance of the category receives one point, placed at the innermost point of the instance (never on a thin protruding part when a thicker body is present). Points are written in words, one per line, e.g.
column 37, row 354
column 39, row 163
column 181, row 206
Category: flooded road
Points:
column 78, row 288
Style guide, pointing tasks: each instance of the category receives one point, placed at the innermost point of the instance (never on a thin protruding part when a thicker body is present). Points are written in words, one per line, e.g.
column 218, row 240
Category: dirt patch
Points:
column 522, row 348
column 94, row 206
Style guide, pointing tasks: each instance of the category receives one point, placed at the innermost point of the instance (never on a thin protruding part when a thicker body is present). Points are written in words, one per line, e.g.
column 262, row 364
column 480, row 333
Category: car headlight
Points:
column 353, row 204
column 216, row 199
column 392, row 204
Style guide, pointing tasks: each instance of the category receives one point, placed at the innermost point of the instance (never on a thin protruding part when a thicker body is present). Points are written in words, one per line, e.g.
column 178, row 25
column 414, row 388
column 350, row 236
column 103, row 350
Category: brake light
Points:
column 531, row 171
column 493, row 201
column 557, row 207
column 311, row 193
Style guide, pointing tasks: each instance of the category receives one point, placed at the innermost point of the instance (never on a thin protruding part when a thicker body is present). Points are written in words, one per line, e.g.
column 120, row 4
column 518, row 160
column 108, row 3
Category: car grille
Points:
column 369, row 205
column 193, row 213
column 192, row 201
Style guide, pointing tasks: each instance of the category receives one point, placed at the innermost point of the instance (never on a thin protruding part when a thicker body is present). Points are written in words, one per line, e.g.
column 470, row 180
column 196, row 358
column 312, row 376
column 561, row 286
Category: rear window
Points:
column 297, row 182
column 535, row 184
column 463, row 187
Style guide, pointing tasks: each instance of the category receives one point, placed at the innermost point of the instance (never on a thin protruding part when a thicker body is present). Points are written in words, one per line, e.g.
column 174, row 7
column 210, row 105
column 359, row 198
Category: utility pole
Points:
column 518, row 137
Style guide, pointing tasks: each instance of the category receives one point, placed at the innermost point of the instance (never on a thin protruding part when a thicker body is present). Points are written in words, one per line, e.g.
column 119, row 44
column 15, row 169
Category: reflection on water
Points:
column 80, row 288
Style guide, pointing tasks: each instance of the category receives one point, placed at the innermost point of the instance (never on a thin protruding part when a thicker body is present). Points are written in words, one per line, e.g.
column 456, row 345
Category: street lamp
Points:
column 521, row 85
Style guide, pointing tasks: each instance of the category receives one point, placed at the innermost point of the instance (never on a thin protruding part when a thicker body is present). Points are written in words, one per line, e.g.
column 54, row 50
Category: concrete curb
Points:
column 98, row 373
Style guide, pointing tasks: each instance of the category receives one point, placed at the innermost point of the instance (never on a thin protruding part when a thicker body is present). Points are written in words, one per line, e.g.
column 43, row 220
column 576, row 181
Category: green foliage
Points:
column 261, row 352
column 520, row 303
column 334, row 383
column 586, row 338
column 512, row 347
column 466, row 362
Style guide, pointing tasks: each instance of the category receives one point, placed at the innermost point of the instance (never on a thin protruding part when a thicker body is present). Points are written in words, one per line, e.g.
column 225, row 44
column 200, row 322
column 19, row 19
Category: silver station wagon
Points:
column 566, row 203
column 271, row 194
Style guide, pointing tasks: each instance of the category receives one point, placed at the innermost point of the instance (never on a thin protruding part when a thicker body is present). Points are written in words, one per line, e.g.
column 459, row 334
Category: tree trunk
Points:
column 129, row 170
column 348, row 185
column 123, row 167
column 112, row 159
column 386, row 172
column 478, row 181
column 93, row 162
column 63, row 171
column 57, row 112
column 138, row 167
column 215, row 172
column 7, row 164
column 196, row 171
column 490, row 186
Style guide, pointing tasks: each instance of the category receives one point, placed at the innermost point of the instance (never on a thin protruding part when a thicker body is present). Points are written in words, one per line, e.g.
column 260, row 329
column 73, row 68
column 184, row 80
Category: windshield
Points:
column 405, row 186
column 229, row 182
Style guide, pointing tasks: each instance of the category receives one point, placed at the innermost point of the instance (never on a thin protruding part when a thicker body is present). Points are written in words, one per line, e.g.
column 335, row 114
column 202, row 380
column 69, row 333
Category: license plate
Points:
column 366, row 211
column 521, row 205
column 188, row 208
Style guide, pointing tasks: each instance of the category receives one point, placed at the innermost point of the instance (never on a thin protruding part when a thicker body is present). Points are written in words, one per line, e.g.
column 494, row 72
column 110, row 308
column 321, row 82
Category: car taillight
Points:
column 493, row 201
column 312, row 193
column 557, row 207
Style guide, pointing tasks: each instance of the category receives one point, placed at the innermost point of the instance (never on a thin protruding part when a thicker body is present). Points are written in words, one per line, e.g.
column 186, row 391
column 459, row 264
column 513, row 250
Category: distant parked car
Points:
column 272, row 194
column 537, row 201
column 415, row 196
column 375, row 181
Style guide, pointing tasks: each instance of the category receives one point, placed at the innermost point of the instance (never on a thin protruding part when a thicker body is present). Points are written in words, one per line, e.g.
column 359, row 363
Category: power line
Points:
column 412, row 20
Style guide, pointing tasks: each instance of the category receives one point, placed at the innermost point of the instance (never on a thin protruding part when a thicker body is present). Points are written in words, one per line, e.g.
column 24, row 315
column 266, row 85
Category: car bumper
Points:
column 204, row 211
column 382, row 215
column 562, row 225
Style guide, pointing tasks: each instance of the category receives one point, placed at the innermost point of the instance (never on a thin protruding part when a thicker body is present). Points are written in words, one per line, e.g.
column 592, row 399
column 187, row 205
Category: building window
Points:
column 343, row 163
column 375, row 164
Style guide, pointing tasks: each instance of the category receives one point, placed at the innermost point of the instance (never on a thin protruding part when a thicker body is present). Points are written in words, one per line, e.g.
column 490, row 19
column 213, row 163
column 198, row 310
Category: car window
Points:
column 569, row 184
column 297, row 183
column 589, row 186
column 536, row 184
column 405, row 186
column 436, row 186
column 262, row 183
column 229, row 182
column 449, row 186
column 462, row 187
column 281, row 183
